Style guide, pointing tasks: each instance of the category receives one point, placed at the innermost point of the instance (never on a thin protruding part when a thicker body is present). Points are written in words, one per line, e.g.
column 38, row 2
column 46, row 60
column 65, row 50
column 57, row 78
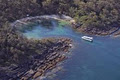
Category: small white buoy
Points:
column 70, row 45
column 28, row 15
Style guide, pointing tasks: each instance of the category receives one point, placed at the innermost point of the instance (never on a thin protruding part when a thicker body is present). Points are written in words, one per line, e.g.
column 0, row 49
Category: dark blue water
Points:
column 99, row 60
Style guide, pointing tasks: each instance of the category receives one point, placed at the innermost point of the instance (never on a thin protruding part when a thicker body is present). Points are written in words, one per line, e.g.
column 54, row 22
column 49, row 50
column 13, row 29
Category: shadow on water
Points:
column 99, row 60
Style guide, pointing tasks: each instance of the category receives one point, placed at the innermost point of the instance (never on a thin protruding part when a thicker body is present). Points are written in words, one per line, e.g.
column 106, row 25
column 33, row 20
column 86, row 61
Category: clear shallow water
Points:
column 99, row 60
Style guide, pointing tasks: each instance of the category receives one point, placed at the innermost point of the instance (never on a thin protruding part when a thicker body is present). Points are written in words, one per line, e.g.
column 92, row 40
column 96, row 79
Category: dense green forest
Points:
column 89, row 14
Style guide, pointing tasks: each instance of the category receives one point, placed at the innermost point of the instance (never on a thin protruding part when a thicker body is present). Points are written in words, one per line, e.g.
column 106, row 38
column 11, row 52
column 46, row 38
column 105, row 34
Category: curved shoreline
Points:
column 113, row 31
column 38, row 19
column 96, row 31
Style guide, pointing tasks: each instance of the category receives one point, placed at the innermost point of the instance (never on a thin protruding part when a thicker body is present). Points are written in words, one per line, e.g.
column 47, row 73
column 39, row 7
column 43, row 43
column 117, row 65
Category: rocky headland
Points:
column 52, row 51
column 40, row 64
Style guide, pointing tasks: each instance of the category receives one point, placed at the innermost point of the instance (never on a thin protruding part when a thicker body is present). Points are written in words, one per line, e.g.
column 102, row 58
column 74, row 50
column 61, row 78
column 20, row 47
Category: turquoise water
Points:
column 99, row 60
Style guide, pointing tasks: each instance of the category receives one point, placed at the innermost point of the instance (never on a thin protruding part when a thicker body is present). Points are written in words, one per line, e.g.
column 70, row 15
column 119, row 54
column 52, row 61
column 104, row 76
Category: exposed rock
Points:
column 38, row 67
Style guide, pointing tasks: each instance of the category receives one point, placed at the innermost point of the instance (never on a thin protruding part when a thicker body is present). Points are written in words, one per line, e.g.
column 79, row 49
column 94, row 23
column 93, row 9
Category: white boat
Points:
column 87, row 38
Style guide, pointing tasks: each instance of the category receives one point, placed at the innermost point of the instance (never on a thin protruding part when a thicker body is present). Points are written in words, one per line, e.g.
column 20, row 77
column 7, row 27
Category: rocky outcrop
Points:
column 39, row 65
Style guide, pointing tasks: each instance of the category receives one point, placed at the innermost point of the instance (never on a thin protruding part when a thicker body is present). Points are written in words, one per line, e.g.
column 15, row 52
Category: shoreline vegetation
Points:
column 19, row 54
column 115, row 31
